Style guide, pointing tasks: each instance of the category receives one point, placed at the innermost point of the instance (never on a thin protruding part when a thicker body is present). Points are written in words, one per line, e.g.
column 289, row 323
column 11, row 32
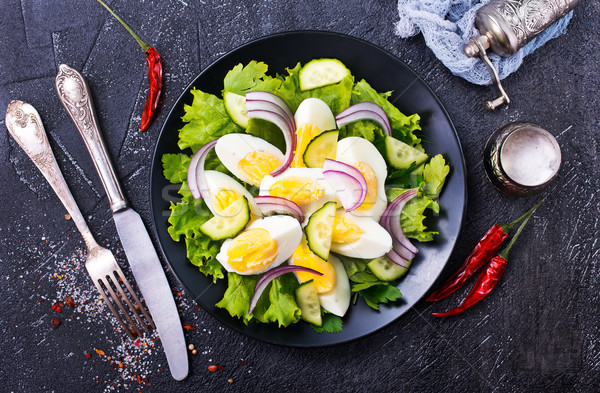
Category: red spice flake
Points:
column 60, row 304
column 40, row 300
column 188, row 327
column 70, row 301
column 99, row 351
column 178, row 293
column 242, row 362
column 137, row 342
column 88, row 355
column 212, row 368
column 197, row 307
column 55, row 323
column 121, row 365
column 221, row 368
column 56, row 307
column 139, row 379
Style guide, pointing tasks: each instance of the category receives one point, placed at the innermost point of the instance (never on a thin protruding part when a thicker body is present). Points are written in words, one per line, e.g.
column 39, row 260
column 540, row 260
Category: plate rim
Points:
column 182, row 96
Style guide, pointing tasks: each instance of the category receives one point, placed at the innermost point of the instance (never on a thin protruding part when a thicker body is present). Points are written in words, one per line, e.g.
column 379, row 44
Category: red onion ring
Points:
column 269, row 276
column 273, row 204
column 394, row 226
column 345, row 177
column 195, row 175
column 365, row 111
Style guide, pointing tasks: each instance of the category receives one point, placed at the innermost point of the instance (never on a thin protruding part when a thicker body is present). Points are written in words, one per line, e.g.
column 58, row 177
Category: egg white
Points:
column 231, row 148
column 316, row 112
column 216, row 180
column 337, row 300
column 374, row 241
column 315, row 174
column 353, row 150
column 286, row 232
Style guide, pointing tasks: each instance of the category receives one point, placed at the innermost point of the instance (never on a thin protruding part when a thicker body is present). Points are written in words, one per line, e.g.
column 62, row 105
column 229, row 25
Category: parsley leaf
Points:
column 380, row 294
column 331, row 323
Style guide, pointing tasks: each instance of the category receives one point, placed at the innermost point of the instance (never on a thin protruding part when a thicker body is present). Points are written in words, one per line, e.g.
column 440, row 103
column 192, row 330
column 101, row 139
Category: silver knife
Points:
column 76, row 97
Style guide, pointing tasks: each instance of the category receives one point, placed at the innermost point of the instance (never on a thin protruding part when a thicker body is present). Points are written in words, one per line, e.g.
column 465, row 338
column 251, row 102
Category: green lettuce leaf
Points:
column 281, row 306
column 276, row 304
column 237, row 297
column 434, row 174
column 202, row 252
column 336, row 96
column 413, row 214
column 331, row 323
column 206, row 120
column 175, row 167
column 403, row 127
column 187, row 215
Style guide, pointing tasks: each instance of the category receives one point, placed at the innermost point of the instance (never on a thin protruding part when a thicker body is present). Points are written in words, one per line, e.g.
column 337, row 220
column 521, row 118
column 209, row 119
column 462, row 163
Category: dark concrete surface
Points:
column 538, row 331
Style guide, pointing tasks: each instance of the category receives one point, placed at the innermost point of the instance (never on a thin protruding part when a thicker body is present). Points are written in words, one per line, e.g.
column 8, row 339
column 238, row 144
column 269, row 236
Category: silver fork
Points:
column 24, row 124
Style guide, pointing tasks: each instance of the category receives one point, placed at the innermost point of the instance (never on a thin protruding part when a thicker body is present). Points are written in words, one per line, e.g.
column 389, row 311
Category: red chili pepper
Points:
column 488, row 279
column 486, row 248
column 155, row 71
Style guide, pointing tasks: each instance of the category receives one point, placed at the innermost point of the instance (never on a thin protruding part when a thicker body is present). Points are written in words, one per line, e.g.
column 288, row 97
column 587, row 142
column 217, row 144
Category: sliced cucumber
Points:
column 229, row 222
column 400, row 155
column 321, row 147
column 322, row 72
column 319, row 230
column 386, row 270
column 308, row 301
column 235, row 105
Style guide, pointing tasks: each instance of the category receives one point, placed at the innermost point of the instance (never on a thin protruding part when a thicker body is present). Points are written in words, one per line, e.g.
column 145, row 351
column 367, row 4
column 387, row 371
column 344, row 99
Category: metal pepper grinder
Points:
column 506, row 26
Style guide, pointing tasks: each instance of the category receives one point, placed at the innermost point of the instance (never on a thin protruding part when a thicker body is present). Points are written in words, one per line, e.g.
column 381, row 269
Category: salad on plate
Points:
column 304, row 191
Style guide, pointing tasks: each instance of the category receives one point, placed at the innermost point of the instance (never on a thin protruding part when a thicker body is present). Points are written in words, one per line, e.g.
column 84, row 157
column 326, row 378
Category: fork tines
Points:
column 108, row 284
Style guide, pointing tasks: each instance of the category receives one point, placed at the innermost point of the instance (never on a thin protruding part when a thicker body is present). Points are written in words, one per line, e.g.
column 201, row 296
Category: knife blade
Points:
column 75, row 95
column 152, row 282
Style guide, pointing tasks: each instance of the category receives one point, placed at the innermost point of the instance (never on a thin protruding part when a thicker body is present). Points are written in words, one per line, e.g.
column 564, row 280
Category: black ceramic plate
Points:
column 410, row 94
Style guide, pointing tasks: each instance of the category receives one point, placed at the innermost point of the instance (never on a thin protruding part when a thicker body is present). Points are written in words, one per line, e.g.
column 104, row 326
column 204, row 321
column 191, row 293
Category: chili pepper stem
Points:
column 142, row 44
column 504, row 253
column 507, row 227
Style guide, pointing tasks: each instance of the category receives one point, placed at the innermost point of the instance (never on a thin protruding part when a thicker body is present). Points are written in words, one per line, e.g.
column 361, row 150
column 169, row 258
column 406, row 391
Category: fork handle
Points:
column 75, row 95
column 25, row 126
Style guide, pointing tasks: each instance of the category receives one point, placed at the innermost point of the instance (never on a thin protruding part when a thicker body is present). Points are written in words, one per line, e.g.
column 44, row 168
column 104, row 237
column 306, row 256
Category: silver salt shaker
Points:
column 505, row 26
column 521, row 158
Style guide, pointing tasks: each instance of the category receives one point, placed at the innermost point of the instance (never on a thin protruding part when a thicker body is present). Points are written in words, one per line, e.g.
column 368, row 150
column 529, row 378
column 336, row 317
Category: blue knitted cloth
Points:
column 447, row 26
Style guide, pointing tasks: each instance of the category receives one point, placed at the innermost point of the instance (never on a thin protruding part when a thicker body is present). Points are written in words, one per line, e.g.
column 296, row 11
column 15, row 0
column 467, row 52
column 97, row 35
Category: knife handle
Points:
column 75, row 95
column 25, row 126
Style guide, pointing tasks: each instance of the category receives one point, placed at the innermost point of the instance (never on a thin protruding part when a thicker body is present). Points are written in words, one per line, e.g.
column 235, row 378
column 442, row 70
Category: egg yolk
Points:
column 223, row 198
column 345, row 230
column 258, row 164
column 303, row 256
column 300, row 190
column 252, row 251
column 303, row 136
column 371, row 179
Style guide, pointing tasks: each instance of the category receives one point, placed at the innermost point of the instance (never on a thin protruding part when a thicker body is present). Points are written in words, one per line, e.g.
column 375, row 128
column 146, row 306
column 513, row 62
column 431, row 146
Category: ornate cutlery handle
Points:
column 75, row 95
column 25, row 126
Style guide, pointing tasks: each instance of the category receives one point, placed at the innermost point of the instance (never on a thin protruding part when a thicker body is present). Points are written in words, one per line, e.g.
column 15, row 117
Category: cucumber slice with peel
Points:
column 400, row 155
column 386, row 270
column 321, row 147
column 307, row 299
column 322, row 72
column 229, row 222
column 235, row 105
column 319, row 230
